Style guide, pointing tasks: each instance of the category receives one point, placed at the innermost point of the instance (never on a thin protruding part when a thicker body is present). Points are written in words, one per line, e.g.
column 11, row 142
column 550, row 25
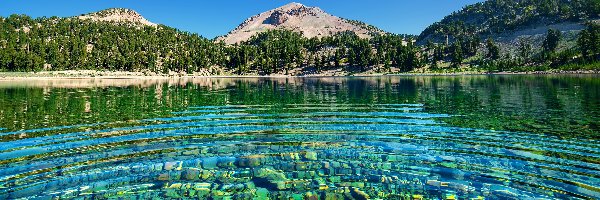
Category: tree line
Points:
column 473, row 53
column 72, row 44
column 28, row 44
column 499, row 16
column 278, row 51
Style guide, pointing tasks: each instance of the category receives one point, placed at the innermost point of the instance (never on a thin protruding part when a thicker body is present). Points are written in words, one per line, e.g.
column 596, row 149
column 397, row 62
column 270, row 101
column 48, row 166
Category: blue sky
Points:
column 212, row 18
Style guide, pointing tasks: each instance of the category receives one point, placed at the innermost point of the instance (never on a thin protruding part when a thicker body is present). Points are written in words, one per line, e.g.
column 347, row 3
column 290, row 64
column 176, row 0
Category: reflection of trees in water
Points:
column 548, row 104
column 542, row 104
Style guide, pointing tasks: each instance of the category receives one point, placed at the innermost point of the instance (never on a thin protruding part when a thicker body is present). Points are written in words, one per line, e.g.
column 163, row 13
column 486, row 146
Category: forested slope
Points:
column 501, row 16
column 122, row 40
column 70, row 43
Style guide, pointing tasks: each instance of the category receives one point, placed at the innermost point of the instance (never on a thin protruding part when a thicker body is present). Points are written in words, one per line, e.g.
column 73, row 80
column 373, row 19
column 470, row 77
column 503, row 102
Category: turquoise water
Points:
column 465, row 137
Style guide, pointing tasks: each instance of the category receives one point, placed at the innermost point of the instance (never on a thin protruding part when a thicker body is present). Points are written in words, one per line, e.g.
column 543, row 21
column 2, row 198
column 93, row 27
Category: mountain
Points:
column 102, row 40
column 512, row 18
column 282, row 41
column 310, row 21
column 118, row 15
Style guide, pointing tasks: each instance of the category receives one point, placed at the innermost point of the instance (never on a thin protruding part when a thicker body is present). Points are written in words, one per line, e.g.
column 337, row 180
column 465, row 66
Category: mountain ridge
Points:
column 122, row 39
column 118, row 15
column 309, row 21
column 494, row 18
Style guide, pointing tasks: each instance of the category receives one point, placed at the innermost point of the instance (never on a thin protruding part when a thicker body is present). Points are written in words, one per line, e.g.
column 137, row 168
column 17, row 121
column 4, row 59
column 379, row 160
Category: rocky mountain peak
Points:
column 291, row 6
column 282, row 14
column 310, row 21
column 118, row 15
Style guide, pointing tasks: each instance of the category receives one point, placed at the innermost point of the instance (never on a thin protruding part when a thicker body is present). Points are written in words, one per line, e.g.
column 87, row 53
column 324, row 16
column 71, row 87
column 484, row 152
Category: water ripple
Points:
column 254, row 151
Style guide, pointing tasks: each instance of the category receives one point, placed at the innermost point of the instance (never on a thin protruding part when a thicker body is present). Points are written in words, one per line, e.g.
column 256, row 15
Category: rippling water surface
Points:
column 464, row 137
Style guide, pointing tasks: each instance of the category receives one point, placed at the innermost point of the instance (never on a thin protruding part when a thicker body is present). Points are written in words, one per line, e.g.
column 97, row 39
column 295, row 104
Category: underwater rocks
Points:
column 340, row 171
column 303, row 174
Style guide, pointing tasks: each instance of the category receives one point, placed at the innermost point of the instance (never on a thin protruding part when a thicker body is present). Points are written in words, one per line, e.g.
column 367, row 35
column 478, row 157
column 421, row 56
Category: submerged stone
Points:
column 163, row 177
column 192, row 174
column 173, row 166
column 360, row 195
column 250, row 161
column 262, row 193
column 206, row 175
column 202, row 186
column 210, row 163
column 309, row 155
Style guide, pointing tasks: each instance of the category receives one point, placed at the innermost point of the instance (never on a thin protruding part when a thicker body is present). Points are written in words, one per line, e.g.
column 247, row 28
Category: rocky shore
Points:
column 93, row 74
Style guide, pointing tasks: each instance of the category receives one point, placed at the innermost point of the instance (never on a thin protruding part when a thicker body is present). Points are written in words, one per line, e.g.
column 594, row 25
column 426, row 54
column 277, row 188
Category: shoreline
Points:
column 54, row 75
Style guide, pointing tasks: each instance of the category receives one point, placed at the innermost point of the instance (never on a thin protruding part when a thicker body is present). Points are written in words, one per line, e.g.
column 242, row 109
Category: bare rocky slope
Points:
column 506, row 19
column 118, row 15
column 510, row 22
column 310, row 21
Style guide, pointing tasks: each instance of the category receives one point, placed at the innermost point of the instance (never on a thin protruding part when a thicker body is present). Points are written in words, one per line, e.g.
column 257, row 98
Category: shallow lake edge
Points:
column 50, row 75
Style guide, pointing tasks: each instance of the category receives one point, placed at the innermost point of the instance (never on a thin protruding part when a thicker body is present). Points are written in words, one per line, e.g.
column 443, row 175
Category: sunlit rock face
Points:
column 119, row 15
column 310, row 21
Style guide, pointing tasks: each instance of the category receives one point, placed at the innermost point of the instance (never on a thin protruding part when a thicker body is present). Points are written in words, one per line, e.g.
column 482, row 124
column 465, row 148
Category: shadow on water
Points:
column 432, row 137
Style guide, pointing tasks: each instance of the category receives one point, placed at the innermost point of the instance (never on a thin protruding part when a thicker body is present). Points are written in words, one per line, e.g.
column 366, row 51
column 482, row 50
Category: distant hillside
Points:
column 309, row 21
column 103, row 40
column 118, row 15
column 525, row 35
column 504, row 17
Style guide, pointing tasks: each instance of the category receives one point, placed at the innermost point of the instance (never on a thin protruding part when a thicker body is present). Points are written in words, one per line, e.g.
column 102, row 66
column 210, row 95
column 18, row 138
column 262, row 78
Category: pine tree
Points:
column 589, row 42
column 524, row 48
column 493, row 52
column 552, row 40
column 457, row 54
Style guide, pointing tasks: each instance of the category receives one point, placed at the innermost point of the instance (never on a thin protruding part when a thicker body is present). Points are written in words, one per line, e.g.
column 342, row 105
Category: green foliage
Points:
column 585, row 57
column 73, row 44
column 372, row 29
column 70, row 43
column 457, row 54
column 495, row 17
column 493, row 50
column 525, row 48
column 499, row 16
column 589, row 42
column 279, row 51
column 273, row 51
column 552, row 39
column 28, row 44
